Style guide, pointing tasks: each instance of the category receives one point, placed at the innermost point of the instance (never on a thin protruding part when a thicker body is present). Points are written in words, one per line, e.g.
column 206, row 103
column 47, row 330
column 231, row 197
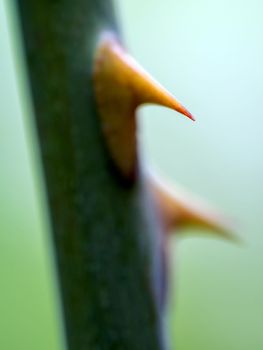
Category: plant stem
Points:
column 106, row 238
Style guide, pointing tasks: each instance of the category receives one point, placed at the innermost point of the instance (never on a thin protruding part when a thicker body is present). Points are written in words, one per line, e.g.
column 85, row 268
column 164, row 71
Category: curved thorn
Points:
column 180, row 209
column 121, row 85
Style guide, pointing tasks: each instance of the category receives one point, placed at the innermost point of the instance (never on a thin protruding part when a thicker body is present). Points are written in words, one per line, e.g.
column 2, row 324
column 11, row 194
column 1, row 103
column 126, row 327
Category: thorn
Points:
column 179, row 209
column 121, row 85
column 146, row 89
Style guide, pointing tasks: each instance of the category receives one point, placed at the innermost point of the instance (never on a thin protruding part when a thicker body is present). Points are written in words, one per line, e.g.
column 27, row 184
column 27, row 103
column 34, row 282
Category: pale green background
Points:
column 210, row 55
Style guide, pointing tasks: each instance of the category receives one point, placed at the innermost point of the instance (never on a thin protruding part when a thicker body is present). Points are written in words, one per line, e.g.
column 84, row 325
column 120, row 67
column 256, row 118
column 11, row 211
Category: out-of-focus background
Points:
column 209, row 54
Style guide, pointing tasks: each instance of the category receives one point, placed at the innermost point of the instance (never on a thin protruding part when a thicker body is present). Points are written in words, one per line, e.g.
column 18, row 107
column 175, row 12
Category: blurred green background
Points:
column 209, row 54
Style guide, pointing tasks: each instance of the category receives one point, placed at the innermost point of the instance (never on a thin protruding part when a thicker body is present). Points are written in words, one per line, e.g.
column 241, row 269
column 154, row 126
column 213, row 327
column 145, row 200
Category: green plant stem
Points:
column 106, row 238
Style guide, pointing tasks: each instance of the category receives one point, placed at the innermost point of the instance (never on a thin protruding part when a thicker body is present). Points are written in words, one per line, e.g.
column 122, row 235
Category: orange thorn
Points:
column 180, row 209
column 121, row 85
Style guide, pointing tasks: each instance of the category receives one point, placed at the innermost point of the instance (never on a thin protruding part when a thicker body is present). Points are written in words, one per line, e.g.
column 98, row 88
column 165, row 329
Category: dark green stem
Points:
column 106, row 239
